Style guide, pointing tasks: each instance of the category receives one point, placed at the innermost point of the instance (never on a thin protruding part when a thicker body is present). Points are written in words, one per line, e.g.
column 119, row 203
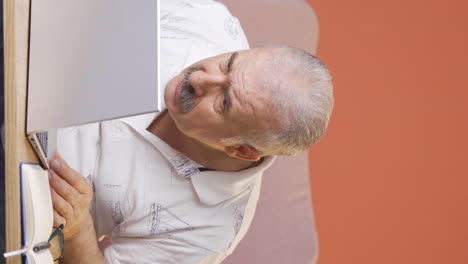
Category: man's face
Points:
column 222, row 96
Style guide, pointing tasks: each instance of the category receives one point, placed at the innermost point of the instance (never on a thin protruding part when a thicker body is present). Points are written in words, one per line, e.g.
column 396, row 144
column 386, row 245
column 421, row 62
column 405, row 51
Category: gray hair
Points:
column 303, row 113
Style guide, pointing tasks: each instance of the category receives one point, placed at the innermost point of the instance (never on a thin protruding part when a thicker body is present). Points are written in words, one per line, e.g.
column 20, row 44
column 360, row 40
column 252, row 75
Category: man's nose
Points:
column 204, row 82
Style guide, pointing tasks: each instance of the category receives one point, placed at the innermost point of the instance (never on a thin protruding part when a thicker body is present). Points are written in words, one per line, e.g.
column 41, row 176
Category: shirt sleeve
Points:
column 159, row 251
column 201, row 29
column 79, row 147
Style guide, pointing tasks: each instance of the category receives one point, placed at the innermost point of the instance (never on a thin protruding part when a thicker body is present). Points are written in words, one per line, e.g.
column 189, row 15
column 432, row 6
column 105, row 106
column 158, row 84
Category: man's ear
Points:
column 243, row 152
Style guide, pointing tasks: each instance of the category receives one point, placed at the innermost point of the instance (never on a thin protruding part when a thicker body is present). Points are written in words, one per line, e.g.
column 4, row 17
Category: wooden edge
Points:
column 17, row 148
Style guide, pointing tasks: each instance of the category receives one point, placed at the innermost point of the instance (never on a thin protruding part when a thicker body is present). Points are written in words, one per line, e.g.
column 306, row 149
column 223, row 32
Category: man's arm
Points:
column 71, row 196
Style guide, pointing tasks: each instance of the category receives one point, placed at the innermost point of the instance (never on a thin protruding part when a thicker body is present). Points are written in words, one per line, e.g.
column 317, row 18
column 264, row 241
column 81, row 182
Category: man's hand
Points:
column 71, row 196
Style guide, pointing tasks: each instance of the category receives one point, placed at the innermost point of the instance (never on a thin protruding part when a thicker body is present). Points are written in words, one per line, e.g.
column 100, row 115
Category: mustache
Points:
column 187, row 92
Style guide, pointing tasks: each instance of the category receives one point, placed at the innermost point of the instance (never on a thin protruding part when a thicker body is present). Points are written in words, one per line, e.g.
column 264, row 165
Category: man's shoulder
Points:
column 168, row 5
column 207, row 25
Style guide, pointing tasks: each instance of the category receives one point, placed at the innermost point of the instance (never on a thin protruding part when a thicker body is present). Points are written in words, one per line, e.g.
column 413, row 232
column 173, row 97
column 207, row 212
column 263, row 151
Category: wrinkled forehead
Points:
column 270, row 67
column 259, row 108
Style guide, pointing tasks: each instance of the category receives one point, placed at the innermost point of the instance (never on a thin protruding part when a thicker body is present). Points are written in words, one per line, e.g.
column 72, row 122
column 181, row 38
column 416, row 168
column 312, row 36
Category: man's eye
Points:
column 224, row 103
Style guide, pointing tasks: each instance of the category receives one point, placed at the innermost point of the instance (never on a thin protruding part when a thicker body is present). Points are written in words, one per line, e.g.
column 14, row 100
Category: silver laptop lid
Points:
column 91, row 60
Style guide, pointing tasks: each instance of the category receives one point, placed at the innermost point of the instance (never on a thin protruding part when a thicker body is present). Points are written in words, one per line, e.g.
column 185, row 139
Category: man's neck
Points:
column 165, row 128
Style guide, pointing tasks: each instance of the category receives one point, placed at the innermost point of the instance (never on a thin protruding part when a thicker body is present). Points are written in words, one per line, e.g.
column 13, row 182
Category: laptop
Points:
column 90, row 61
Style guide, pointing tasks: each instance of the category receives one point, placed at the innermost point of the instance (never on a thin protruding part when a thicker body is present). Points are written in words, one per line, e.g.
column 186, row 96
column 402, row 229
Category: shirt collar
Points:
column 140, row 122
column 212, row 187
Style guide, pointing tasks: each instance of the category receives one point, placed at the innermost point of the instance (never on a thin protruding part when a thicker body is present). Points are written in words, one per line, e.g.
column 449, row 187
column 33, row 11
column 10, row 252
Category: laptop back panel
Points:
column 90, row 61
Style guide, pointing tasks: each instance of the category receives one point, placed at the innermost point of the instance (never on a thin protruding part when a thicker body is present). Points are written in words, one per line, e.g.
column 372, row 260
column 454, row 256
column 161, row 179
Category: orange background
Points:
column 390, row 179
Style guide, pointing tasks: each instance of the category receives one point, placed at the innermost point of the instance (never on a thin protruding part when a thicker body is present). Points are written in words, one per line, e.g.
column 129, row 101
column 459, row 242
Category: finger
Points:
column 61, row 167
column 59, row 220
column 63, row 188
column 60, row 205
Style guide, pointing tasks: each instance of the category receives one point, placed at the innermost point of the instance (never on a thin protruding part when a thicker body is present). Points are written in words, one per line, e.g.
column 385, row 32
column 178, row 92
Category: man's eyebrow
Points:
column 227, row 92
column 231, row 61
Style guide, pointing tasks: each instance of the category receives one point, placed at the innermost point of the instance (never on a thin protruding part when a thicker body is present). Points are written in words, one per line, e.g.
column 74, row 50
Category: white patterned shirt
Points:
column 157, row 205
